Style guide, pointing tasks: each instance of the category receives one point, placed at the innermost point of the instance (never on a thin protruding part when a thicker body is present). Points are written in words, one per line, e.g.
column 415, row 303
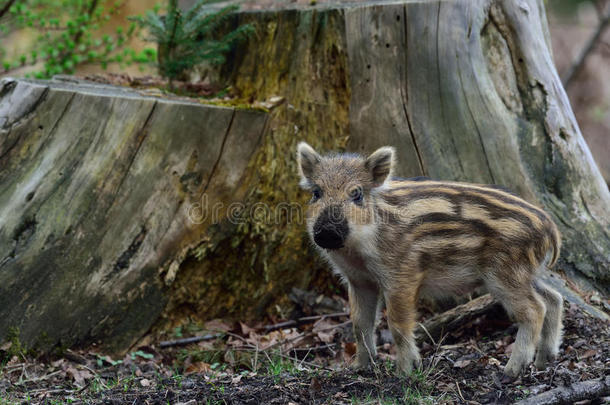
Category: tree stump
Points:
column 464, row 90
column 96, row 188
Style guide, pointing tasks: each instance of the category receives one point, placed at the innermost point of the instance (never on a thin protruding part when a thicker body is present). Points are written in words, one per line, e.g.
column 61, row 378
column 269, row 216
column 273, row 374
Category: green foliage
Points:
column 68, row 33
column 142, row 354
column 187, row 39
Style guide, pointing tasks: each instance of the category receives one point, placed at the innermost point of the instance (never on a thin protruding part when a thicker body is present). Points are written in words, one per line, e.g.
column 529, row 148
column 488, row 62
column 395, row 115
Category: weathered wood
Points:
column 96, row 184
column 579, row 391
column 450, row 320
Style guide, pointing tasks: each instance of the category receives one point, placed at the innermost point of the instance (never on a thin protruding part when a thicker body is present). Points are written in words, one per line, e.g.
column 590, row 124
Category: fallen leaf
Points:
column 79, row 375
column 350, row 348
column 588, row 353
column 6, row 346
column 493, row 361
column 144, row 382
column 217, row 325
column 245, row 329
column 236, row 379
column 315, row 385
column 198, row 367
column 58, row 363
column 327, row 337
column 461, row 363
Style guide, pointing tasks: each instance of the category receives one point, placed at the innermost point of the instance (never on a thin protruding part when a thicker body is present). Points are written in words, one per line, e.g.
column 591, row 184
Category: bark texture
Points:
column 96, row 184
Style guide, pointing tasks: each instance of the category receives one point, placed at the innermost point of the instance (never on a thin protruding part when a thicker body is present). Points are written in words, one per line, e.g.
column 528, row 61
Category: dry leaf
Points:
column 461, row 363
column 588, row 353
column 327, row 337
column 58, row 363
column 315, row 385
column 217, row 325
column 350, row 348
column 198, row 367
column 144, row 382
column 79, row 375
column 493, row 361
column 245, row 329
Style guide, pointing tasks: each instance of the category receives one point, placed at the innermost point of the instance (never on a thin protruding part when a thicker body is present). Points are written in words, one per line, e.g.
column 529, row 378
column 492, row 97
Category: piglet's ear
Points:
column 381, row 164
column 307, row 159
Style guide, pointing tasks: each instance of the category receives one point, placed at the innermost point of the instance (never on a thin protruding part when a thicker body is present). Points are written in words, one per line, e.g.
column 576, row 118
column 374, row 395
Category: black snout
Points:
column 331, row 229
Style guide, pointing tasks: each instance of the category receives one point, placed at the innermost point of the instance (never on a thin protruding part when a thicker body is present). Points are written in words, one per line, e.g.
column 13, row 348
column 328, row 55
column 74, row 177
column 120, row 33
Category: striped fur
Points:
column 398, row 239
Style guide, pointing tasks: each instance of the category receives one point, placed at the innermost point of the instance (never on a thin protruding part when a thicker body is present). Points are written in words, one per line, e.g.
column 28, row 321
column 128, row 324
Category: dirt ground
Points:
column 241, row 364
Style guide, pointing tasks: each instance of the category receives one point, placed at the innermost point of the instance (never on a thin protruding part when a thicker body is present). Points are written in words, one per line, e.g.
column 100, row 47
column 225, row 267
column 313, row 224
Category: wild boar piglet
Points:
column 394, row 240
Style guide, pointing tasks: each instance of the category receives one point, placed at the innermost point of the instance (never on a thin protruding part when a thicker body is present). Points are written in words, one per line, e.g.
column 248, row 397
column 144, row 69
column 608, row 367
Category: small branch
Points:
column 580, row 61
column 300, row 321
column 314, row 348
column 450, row 320
column 579, row 391
column 188, row 341
column 6, row 7
column 44, row 377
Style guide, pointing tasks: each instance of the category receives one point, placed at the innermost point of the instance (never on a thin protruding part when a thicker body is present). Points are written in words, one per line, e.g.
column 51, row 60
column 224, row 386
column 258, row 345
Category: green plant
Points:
column 67, row 33
column 142, row 354
column 187, row 39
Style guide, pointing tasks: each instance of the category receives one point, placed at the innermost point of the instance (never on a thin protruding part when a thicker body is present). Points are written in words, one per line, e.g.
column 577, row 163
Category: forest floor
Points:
column 307, row 363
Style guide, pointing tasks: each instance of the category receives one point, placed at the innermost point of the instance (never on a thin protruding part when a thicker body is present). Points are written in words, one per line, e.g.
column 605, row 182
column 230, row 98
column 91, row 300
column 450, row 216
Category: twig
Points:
column 457, row 384
column 580, row 61
column 188, row 341
column 305, row 362
column 305, row 319
column 455, row 317
column 44, row 377
column 314, row 348
column 427, row 333
column 579, row 391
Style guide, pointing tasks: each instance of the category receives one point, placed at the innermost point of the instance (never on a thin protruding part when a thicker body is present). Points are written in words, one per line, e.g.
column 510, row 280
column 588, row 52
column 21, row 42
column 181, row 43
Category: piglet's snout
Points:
column 331, row 228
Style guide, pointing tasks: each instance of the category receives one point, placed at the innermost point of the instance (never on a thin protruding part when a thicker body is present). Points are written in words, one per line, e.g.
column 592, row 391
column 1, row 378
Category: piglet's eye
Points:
column 316, row 194
column 356, row 195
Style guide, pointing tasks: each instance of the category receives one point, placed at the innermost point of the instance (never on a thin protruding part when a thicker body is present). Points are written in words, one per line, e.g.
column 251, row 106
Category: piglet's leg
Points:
column 402, row 314
column 363, row 302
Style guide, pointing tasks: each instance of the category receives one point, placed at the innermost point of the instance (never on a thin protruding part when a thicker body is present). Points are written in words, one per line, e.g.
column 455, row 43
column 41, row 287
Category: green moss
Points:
column 16, row 347
column 238, row 104
column 245, row 270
